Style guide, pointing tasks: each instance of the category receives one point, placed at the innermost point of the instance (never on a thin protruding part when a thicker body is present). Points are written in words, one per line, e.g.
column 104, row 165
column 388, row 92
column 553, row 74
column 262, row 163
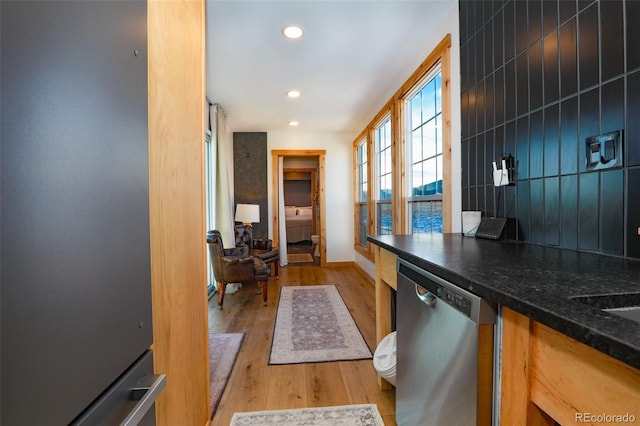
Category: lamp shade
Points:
column 248, row 213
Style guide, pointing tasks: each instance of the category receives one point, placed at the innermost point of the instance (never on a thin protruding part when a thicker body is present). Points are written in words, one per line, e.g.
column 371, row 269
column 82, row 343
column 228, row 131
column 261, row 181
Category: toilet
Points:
column 315, row 240
column 384, row 358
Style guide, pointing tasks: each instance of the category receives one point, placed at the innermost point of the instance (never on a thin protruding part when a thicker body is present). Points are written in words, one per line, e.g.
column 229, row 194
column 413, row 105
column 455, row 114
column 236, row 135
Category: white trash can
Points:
column 315, row 241
column 384, row 358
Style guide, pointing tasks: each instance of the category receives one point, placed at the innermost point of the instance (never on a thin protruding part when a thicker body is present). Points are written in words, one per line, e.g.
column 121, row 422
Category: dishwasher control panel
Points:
column 430, row 287
column 458, row 301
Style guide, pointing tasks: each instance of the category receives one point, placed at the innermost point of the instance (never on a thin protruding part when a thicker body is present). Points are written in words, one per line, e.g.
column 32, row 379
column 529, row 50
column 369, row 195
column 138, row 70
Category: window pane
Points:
column 416, row 178
column 424, row 157
column 385, row 187
column 362, row 193
column 429, row 139
column 439, row 173
column 387, row 159
column 429, row 176
column 416, row 116
column 383, row 175
column 362, row 225
column 416, row 145
column 438, row 125
column 426, row 216
column 436, row 216
column 384, row 218
column 438, row 94
column 429, row 100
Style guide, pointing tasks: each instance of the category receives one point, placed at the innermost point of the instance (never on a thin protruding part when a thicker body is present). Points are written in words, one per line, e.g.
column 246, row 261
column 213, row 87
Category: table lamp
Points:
column 248, row 214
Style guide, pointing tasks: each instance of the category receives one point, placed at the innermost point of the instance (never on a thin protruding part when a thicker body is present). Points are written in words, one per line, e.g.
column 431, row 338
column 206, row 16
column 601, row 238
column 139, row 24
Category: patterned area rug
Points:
column 300, row 258
column 314, row 325
column 223, row 350
column 348, row 415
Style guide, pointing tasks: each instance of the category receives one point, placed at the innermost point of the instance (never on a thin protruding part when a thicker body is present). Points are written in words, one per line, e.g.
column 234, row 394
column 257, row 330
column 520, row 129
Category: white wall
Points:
column 339, row 168
column 338, row 185
column 449, row 25
column 366, row 265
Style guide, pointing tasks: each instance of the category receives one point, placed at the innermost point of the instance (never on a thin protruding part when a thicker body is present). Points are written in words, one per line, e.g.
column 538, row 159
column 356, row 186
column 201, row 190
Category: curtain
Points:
column 223, row 196
column 282, row 226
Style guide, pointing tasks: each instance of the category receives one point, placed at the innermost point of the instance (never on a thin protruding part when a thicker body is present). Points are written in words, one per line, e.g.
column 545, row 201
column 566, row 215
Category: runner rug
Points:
column 347, row 415
column 223, row 350
column 314, row 325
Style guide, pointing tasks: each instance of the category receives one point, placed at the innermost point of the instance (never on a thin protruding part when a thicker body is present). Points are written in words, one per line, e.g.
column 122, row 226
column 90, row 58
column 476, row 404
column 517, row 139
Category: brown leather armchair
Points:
column 259, row 247
column 236, row 266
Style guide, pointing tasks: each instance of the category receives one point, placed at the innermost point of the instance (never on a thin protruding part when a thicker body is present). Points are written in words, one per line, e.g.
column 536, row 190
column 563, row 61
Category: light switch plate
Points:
column 604, row 151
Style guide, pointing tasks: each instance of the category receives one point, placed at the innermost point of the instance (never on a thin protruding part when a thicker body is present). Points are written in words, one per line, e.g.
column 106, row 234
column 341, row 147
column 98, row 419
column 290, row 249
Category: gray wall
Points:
column 250, row 175
column 297, row 193
column 538, row 77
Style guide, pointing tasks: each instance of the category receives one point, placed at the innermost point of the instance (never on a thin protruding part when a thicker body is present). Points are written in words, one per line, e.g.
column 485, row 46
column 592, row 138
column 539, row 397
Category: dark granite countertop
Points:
column 537, row 281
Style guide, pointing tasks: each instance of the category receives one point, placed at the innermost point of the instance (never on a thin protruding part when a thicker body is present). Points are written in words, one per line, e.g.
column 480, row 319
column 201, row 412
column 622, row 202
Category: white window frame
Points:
column 438, row 157
column 362, row 186
column 388, row 149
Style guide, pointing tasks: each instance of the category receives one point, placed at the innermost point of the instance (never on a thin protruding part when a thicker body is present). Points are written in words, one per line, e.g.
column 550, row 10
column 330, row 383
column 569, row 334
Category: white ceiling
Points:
column 354, row 55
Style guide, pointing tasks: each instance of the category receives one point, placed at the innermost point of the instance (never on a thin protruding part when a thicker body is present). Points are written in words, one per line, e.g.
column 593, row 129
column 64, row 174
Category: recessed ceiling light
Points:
column 293, row 93
column 292, row 32
column 293, row 123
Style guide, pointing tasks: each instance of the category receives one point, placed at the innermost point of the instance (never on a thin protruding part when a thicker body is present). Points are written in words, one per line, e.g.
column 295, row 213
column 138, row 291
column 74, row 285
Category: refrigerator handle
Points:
column 146, row 395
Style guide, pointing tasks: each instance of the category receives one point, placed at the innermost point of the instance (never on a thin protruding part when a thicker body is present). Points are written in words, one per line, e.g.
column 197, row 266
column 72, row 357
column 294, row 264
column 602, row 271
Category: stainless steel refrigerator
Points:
column 75, row 285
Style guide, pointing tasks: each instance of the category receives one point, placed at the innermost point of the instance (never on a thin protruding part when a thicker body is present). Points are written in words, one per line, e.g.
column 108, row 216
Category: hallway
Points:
column 254, row 385
column 301, row 248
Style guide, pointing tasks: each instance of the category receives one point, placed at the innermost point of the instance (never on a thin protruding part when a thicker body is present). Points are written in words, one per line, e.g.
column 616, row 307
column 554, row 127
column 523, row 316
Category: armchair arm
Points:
column 237, row 260
column 262, row 244
column 237, row 269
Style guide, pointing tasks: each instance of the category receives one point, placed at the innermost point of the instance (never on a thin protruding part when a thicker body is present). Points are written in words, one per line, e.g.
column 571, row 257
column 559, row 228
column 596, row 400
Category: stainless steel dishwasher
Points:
column 445, row 352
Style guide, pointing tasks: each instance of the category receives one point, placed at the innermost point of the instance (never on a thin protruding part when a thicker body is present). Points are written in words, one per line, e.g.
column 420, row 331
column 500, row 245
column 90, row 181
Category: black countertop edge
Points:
column 499, row 271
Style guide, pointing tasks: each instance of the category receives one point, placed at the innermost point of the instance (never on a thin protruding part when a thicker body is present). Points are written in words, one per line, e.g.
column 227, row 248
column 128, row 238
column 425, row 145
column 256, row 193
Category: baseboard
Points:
column 357, row 267
column 365, row 274
column 339, row 264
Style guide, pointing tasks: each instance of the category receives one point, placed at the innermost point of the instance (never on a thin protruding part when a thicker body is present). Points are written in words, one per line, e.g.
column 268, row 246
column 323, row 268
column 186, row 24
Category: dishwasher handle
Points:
column 426, row 296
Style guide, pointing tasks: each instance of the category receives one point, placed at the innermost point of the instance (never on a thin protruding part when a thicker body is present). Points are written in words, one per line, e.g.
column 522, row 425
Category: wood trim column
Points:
column 177, row 209
column 447, row 191
column 399, row 192
column 516, row 407
column 385, row 281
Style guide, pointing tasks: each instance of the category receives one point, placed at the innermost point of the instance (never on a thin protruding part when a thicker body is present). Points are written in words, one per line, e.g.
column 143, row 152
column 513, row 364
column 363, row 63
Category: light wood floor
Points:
column 254, row 385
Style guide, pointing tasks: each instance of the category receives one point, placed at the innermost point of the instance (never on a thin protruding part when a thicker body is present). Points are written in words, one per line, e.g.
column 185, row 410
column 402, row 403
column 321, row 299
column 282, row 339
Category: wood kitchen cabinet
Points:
column 548, row 377
column 386, row 282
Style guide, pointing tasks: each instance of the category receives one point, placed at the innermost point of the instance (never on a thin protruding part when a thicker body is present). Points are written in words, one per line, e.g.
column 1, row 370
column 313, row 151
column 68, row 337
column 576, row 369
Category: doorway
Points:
column 301, row 209
column 302, row 176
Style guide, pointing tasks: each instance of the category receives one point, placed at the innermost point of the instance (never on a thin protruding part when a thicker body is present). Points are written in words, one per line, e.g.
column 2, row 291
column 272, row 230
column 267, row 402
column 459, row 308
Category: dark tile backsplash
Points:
column 538, row 78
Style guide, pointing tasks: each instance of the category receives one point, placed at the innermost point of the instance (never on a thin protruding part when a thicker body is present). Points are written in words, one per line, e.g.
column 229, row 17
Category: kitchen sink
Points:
column 631, row 312
column 625, row 305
